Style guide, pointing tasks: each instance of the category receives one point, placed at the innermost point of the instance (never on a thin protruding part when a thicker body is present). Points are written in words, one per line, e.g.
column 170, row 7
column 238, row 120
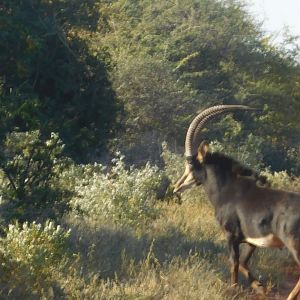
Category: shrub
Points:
column 282, row 180
column 120, row 194
column 30, row 168
column 293, row 161
column 174, row 164
column 30, row 253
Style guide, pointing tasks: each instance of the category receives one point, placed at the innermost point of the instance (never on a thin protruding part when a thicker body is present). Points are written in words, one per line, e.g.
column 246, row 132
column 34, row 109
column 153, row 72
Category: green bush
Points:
column 30, row 169
column 30, row 253
column 174, row 164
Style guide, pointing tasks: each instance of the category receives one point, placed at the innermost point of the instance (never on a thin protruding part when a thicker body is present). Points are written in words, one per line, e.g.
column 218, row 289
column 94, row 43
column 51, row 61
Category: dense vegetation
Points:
column 89, row 88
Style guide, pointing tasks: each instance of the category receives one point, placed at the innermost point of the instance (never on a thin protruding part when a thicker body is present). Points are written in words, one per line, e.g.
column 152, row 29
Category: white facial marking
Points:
column 267, row 241
column 186, row 181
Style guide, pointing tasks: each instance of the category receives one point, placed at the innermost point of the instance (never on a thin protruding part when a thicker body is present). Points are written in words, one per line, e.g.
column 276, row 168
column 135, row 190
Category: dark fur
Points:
column 231, row 168
column 246, row 210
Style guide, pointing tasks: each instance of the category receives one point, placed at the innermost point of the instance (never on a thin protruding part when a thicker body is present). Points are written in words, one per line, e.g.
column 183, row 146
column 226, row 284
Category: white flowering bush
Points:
column 282, row 180
column 29, row 254
column 120, row 194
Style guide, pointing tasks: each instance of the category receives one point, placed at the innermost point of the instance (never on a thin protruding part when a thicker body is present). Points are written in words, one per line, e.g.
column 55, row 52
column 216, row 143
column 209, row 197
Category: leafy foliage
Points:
column 156, row 105
column 127, row 75
column 72, row 68
column 30, row 168
column 29, row 254
column 219, row 54
column 51, row 79
column 122, row 195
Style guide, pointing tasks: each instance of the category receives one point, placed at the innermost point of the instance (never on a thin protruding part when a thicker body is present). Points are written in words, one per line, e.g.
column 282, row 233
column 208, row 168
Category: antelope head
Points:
column 195, row 150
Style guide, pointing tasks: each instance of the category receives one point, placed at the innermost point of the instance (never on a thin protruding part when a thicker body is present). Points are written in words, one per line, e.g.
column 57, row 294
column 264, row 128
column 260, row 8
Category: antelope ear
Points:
column 202, row 151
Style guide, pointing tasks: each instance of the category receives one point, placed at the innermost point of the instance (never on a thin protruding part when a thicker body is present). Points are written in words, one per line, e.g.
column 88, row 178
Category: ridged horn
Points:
column 201, row 119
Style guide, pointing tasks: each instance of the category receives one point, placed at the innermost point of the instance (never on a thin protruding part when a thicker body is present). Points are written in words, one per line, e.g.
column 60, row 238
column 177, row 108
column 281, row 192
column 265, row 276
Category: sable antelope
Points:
column 250, row 214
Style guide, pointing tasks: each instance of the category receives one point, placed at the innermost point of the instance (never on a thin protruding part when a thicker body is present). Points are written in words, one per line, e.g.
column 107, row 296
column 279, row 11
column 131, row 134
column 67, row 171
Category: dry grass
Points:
column 180, row 255
column 142, row 249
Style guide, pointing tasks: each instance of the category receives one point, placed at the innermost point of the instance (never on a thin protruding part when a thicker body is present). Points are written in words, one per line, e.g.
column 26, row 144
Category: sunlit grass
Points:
column 179, row 252
column 180, row 255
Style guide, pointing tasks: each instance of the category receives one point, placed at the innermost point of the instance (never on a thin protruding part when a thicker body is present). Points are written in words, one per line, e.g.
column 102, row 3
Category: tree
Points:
column 157, row 106
column 30, row 167
column 218, row 51
column 51, row 78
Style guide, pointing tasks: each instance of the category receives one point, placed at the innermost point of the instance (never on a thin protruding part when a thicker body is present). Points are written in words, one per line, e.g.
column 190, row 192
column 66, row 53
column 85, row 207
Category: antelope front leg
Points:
column 233, row 246
column 245, row 254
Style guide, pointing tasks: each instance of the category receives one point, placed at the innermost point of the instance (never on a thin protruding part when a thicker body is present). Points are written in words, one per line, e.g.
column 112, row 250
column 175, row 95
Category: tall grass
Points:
column 112, row 247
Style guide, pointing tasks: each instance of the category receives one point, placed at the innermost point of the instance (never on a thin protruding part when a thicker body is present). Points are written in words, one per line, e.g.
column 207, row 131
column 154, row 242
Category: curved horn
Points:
column 200, row 120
